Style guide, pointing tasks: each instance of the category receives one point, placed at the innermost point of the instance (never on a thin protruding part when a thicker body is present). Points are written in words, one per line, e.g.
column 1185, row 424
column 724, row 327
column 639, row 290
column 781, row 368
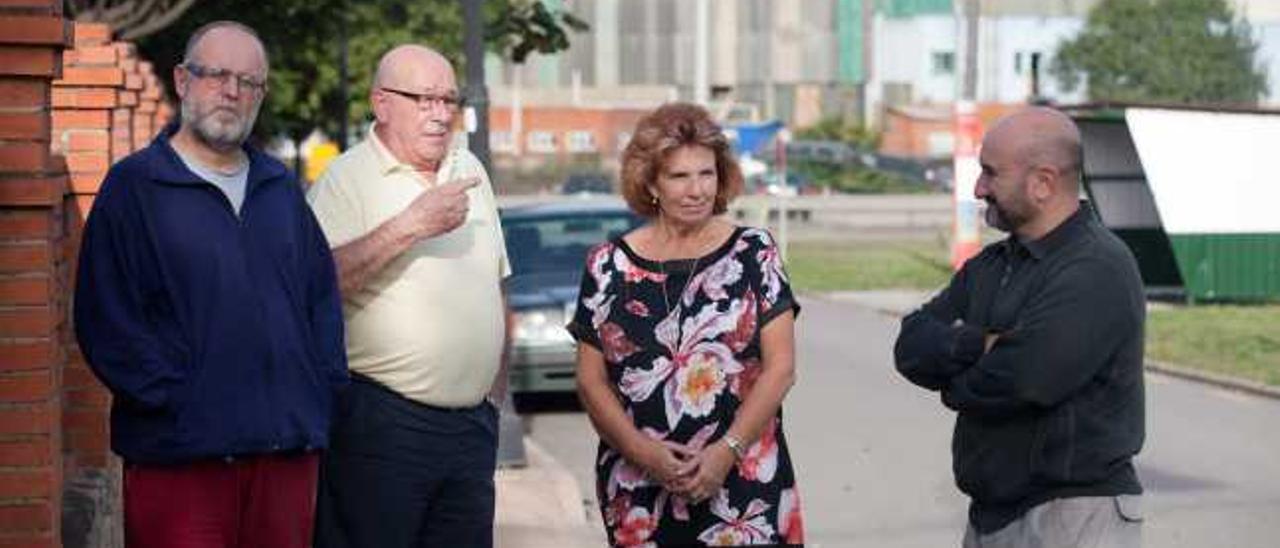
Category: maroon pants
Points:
column 252, row 502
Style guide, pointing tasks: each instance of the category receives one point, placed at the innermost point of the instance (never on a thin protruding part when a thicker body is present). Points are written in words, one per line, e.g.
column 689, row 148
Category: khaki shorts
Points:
column 1078, row 522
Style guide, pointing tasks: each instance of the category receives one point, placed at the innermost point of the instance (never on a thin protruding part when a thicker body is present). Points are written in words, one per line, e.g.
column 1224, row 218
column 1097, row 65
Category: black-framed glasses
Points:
column 222, row 76
column 450, row 101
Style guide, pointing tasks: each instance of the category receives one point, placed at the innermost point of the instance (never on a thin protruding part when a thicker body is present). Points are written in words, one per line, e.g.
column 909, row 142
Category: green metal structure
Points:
column 1194, row 193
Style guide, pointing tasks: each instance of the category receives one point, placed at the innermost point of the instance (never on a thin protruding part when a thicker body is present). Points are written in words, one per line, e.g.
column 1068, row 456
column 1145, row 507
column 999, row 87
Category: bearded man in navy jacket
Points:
column 206, row 301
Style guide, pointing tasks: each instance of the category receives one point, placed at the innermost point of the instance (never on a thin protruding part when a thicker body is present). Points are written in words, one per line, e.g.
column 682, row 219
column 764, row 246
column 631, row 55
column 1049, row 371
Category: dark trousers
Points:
column 400, row 474
column 263, row 501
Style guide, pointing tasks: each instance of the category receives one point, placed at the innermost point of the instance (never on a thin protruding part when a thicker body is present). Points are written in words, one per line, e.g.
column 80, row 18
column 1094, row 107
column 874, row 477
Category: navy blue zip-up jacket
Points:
column 218, row 334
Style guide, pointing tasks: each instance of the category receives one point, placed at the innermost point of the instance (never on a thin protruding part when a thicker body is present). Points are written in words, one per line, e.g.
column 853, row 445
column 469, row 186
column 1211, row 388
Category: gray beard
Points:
column 219, row 136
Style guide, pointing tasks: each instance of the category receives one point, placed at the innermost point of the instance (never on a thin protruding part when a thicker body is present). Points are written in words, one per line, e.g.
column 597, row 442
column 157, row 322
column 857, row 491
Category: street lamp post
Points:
column 477, row 94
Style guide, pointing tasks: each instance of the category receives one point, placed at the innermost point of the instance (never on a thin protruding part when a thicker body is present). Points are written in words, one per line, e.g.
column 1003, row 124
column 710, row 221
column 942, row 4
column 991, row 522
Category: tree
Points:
column 1179, row 51
column 302, row 38
column 129, row 19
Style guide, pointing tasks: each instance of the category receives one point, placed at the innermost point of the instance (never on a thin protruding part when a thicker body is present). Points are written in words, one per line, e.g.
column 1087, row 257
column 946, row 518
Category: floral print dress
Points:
column 681, row 375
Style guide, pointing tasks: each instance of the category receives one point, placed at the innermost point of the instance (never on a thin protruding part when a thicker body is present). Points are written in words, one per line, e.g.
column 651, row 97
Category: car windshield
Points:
column 547, row 244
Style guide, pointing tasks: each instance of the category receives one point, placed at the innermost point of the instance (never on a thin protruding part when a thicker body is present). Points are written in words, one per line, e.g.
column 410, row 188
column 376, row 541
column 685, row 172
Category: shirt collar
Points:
column 1061, row 235
column 387, row 162
column 167, row 166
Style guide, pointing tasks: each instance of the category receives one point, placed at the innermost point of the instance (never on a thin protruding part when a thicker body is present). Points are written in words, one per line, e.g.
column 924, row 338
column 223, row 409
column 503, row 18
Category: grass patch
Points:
column 849, row 266
column 1240, row 341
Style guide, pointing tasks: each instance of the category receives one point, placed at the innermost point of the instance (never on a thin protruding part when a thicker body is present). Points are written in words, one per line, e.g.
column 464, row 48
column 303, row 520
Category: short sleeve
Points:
column 592, row 300
column 338, row 213
column 771, row 277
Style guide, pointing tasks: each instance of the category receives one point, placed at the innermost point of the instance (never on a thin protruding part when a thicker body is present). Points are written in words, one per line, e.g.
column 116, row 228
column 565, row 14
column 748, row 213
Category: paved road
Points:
column 873, row 459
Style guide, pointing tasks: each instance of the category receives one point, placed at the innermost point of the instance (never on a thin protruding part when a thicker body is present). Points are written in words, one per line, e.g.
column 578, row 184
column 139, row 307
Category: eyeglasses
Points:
column 450, row 101
column 223, row 76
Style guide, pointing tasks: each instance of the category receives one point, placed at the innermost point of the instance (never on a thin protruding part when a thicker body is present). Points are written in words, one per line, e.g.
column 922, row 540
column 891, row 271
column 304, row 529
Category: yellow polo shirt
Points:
column 430, row 324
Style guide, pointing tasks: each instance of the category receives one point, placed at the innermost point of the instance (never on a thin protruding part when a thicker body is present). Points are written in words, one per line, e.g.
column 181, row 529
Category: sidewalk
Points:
column 540, row 506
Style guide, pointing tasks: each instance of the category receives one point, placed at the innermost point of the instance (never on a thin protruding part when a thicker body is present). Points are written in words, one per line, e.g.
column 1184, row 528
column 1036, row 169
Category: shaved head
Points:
column 1041, row 136
column 415, row 99
column 397, row 66
column 1031, row 166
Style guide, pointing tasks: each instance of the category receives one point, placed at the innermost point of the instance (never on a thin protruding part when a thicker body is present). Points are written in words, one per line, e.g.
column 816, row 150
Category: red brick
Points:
column 31, row 191
column 77, row 208
column 77, row 376
column 22, row 257
column 147, row 106
column 32, row 540
column 51, row 7
column 25, row 156
column 40, row 418
column 25, row 290
column 26, row 517
column 86, row 140
column 44, row 30
column 81, row 119
column 32, row 126
column 128, row 98
column 92, row 441
column 29, row 61
column 34, row 483
column 91, row 34
column 24, row 93
column 90, row 76
column 27, row 386
column 28, row 355
column 31, row 451
column 95, row 162
column 27, row 224
column 87, row 182
column 91, row 55
column 85, row 419
column 128, row 51
column 29, row 322
column 84, row 97
column 94, row 398
column 129, row 61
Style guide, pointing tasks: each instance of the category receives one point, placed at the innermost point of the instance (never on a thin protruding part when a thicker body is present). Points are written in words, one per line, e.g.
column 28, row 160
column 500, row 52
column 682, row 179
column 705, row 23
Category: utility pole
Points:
column 701, row 89
column 476, row 117
column 344, row 80
column 966, row 240
column 969, row 84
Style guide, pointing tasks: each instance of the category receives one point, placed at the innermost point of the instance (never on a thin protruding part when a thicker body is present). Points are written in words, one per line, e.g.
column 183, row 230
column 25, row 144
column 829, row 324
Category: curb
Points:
column 1162, row 368
column 1214, row 379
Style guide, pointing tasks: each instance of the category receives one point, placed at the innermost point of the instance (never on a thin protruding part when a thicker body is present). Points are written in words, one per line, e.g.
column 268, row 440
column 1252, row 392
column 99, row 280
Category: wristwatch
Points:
column 734, row 445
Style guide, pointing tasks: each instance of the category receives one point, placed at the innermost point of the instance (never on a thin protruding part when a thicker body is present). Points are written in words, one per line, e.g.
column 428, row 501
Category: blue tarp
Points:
column 749, row 138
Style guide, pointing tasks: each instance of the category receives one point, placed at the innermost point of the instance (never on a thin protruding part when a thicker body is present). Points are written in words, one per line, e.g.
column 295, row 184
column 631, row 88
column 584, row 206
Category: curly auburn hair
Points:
column 664, row 130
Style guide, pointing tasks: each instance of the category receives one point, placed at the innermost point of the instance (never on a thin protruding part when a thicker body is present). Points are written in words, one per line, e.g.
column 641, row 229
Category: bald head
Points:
column 397, row 67
column 1040, row 137
column 216, row 34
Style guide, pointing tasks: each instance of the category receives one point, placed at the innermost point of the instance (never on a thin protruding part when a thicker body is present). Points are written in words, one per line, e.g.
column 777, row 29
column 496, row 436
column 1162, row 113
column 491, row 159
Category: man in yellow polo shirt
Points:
column 420, row 256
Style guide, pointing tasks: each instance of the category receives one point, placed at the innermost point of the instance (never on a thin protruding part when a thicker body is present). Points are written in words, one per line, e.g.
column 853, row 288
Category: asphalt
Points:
column 540, row 504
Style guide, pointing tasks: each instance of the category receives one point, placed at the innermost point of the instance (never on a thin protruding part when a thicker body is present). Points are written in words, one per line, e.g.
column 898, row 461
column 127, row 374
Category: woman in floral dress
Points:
column 686, row 350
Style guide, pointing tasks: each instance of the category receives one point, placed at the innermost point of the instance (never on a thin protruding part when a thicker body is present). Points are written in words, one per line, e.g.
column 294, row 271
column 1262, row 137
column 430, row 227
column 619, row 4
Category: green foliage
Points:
column 303, row 41
column 1180, row 51
column 836, row 129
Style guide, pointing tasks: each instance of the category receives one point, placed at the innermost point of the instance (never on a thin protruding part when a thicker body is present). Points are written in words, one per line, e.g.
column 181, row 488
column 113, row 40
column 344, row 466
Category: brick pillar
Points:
column 93, row 128
column 32, row 296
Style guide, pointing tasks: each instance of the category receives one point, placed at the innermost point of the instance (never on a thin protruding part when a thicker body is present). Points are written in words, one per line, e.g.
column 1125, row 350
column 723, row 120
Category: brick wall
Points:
column 72, row 102
column 107, row 104
column 33, row 299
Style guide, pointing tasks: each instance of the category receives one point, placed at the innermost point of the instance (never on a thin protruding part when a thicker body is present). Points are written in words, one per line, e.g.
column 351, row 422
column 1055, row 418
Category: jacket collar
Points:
column 166, row 166
column 1060, row 236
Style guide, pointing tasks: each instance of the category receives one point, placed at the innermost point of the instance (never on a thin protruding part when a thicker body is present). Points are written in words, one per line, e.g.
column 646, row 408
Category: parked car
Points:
column 547, row 245
column 587, row 183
